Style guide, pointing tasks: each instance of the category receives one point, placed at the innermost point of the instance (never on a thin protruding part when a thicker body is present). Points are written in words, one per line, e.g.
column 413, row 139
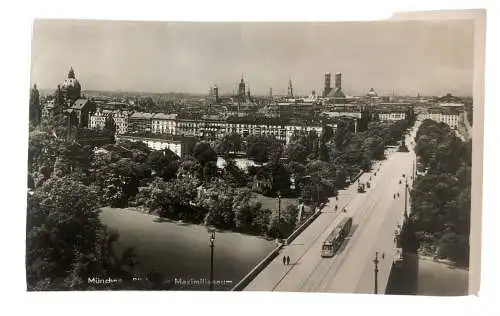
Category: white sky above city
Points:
column 426, row 57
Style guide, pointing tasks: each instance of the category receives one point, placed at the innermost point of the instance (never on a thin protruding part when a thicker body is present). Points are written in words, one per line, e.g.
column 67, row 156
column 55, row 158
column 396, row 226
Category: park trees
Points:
column 65, row 237
column 171, row 199
column 231, row 143
column 277, row 176
column 297, row 152
column 304, row 146
column 217, row 198
column 190, row 167
column 343, row 134
column 263, row 148
column 441, row 199
column 204, row 153
column 233, row 174
column 34, row 106
column 49, row 156
column 163, row 163
column 59, row 103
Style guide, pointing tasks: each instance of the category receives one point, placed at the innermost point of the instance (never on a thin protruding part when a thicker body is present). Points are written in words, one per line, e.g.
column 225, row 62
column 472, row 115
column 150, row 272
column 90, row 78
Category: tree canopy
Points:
column 66, row 242
column 441, row 198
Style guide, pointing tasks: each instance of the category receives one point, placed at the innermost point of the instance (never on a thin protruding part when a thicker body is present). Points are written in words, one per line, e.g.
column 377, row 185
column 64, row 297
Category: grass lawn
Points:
column 272, row 203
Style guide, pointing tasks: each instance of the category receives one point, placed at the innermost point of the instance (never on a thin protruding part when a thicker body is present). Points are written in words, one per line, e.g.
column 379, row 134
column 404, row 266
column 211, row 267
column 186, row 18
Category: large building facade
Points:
column 164, row 123
column 140, row 122
column 449, row 116
column 213, row 127
column 120, row 118
column 181, row 146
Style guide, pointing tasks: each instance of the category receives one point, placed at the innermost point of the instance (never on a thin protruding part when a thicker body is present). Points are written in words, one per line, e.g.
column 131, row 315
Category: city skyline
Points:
column 404, row 58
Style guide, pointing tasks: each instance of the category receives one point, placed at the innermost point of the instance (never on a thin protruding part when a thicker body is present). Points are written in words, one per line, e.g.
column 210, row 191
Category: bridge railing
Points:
column 357, row 176
column 270, row 257
column 257, row 269
column 304, row 225
column 273, row 254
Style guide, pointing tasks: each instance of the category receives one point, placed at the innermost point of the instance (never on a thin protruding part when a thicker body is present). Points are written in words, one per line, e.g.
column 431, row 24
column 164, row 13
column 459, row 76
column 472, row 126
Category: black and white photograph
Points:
column 253, row 156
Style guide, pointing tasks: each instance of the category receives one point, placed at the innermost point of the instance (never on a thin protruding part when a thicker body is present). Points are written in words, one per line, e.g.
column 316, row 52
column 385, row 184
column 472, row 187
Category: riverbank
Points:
column 441, row 278
column 422, row 275
column 178, row 250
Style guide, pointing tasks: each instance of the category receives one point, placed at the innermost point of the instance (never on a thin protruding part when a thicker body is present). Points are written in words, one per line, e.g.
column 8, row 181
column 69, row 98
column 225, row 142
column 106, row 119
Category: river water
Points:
column 441, row 279
column 421, row 276
column 181, row 251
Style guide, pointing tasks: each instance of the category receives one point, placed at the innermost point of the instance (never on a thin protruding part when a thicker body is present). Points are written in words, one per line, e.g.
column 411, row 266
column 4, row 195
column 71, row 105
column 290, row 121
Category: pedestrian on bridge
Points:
column 287, row 260
column 284, row 260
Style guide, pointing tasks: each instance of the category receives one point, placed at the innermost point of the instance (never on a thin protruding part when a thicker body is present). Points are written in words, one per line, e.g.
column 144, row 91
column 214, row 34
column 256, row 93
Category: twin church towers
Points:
column 333, row 92
column 244, row 94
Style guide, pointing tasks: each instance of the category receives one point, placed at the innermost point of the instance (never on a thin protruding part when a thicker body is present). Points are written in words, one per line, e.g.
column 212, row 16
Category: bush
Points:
column 454, row 247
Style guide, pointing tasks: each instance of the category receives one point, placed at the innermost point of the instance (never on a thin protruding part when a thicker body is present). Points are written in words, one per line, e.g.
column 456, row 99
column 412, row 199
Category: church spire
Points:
column 290, row 88
column 71, row 73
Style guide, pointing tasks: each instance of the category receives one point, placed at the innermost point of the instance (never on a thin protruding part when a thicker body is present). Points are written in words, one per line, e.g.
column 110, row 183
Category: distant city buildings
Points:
column 120, row 118
column 213, row 116
column 452, row 117
column 81, row 111
column 392, row 111
column 164, row 123
column 48, row 109
column 335, row 95
column 181, row 146
column 391, row 115
column 213, row 127
column 327, row 88
column 69, row 101
column 140, row 122
column 447, row 109
column 71, row 87
column 290, row 89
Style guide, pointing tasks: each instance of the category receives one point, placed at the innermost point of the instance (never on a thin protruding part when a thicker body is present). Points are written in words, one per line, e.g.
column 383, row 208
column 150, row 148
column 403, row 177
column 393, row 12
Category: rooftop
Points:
column 451, row 104
column 336, row 93
column 150, row 135
column 441, row 110
column 163, row 116
column 142, row 115
column 79, row 104
column 213, row 117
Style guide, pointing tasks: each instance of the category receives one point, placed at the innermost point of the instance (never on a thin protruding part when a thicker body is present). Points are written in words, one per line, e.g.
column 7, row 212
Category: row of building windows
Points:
column 196, row 128
column 391, row 116
column 453, row 120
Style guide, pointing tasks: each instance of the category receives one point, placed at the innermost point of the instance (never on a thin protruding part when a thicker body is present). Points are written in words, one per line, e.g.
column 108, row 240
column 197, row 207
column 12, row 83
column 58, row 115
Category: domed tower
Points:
column 372, row 93
column 71, row 87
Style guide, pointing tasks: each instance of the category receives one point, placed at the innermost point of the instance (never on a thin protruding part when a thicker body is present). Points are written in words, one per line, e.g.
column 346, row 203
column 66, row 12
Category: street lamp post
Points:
column 211, row 232
column 406, row 198
column 376, row 261
column 279, row 214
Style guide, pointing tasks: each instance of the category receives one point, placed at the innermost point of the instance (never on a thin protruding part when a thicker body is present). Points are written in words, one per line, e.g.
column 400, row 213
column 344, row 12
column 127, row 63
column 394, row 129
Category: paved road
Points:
column 375, row 215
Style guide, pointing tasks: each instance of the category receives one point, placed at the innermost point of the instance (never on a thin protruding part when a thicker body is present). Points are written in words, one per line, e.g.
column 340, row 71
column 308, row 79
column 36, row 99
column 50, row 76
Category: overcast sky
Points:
column 426, row 57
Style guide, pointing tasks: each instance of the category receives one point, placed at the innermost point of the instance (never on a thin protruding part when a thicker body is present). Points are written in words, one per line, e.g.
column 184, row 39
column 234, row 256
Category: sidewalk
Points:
column 270, row 277
column 276, row 271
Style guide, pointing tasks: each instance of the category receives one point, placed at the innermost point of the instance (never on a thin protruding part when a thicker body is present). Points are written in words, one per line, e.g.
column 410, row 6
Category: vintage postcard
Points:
column 341, row 157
